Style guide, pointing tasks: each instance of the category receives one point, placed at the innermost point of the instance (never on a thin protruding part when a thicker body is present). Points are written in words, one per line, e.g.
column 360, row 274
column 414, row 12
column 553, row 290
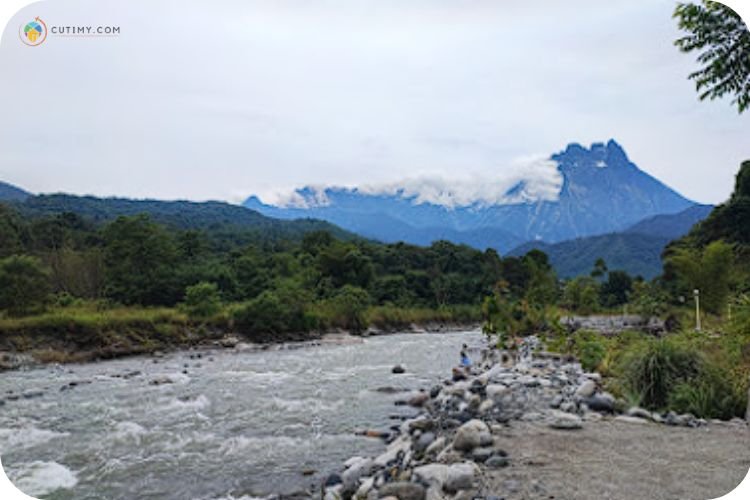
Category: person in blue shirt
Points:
column 465, row 360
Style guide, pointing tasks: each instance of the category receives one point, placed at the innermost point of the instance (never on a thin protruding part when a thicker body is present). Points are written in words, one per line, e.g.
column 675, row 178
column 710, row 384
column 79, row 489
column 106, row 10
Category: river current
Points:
column 236, row 425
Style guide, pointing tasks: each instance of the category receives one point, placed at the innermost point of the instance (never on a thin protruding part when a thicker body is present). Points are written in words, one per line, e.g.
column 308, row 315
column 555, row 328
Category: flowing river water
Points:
column 237, row 425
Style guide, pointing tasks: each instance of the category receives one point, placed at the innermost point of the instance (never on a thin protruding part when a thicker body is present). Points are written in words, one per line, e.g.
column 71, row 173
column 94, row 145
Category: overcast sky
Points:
column 223, row 99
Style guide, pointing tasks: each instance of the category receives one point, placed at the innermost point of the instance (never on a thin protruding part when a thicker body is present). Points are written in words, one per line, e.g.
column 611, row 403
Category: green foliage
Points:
column 141, row 258
column 24, row 285
column 708, row 271
column 711, row 394
column 722, row 41
column 347, row 308
column 648, row 299
column 590, row 348
column 616, row 290
column 581, row 295
column 283, row 310
column 653, row 369
column 202, row 300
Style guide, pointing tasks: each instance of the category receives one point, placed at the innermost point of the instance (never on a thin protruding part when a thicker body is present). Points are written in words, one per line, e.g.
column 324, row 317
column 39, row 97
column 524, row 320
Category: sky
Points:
column 230, row 98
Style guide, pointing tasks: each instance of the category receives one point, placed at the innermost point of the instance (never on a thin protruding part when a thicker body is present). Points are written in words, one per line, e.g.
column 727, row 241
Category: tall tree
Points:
column 722, row 41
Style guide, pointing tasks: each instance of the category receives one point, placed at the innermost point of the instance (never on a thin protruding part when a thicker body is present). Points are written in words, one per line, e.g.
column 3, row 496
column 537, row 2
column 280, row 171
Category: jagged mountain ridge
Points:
column 601, row 192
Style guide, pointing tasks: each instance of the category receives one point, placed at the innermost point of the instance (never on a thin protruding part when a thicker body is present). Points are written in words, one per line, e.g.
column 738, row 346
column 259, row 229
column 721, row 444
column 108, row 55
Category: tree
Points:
column 202, row 300
column 581, row 295
column 616, row 290
column 349, row 306
column 24, row 285
column 600, row 269
column 708, row 271
column 723, row 42
column 140, row 259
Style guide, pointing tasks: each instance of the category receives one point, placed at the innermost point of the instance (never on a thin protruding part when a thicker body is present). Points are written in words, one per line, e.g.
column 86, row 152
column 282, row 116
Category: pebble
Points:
column 403, row 490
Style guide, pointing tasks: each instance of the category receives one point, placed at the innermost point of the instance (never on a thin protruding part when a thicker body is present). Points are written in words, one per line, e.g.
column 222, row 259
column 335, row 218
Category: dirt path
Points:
column 616, row 460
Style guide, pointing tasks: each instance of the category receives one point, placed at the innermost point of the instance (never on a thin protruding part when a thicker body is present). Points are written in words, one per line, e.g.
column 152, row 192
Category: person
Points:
column 465, row 360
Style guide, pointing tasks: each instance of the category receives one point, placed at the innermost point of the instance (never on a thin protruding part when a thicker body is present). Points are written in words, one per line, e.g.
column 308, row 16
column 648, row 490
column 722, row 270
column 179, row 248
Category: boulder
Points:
column 424, row 441
column 436, row 447
column 451, row 478
column 472, row 434
column 351, row 476
column 586, row 389
column 495, row 392
column 403, row 491
column 398, row 369
column 565, row 421
column 419, row 399
column 604, row 403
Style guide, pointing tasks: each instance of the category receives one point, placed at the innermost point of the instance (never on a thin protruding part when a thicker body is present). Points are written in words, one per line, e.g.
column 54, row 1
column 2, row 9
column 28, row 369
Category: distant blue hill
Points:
column 9, row 192
column 597, row 190
column 636, row 250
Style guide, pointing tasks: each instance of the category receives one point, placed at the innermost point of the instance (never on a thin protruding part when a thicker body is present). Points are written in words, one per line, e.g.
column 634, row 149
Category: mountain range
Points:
column 578, row 205
column 588, row 191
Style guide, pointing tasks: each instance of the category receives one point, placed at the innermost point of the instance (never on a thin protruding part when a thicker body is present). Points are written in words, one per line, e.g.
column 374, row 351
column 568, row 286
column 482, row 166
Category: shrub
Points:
column 24, row 285
column 651, row 370
column 590, row 348
column 202, row 300
column 709, row 395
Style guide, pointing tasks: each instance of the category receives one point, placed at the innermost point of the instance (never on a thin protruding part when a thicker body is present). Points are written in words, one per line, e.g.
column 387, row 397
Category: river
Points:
column 237, row 425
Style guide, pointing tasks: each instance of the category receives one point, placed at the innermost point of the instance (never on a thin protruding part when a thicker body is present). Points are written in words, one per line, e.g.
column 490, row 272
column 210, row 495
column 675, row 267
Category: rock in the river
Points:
column 495, row 392
column 586, row 389
column 419, row 399
column 398, row 369
column 472, row 434
column 403, row 491
column 332, row 480
column 565, row 421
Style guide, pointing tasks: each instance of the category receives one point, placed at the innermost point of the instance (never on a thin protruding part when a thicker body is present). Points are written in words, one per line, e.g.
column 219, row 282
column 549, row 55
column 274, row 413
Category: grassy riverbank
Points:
column 92, row 330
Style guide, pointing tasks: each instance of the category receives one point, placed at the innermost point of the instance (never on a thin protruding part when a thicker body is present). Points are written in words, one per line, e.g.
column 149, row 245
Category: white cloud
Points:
column 230, row 98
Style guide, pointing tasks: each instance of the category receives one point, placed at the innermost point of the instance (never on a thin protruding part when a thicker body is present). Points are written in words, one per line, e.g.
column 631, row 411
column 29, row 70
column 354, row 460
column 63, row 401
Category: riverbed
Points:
column 208, row 424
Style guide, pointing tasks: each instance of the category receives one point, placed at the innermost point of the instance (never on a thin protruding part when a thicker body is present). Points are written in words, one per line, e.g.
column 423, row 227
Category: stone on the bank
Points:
column 403, row 491
column 436, row 447
column 586, row 389
column 366, row 487
column 424, row 441
column 565, row 421
column 627, row 419
column 495, row 392
column 498, row 460
column 450, row 478
column 639, row 413
column 604, row 403
column 485, row 406
column 351, row 476
column 400, row 445
column 472, row 434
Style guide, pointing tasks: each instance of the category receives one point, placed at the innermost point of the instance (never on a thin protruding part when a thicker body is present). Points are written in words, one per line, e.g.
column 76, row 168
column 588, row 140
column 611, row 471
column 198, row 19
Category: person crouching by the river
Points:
column 462, row 371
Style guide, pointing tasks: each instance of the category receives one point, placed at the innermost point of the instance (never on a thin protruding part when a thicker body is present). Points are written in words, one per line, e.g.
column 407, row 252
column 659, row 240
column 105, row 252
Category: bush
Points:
column 24, row 285
column 281, row 311
column 590, row 348
column 653, row 369
column 709, row 395
column 348, row 306
column 202, row 300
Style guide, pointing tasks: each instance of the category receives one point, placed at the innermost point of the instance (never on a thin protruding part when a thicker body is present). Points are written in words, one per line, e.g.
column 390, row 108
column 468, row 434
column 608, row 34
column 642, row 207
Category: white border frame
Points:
column 9, row 8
